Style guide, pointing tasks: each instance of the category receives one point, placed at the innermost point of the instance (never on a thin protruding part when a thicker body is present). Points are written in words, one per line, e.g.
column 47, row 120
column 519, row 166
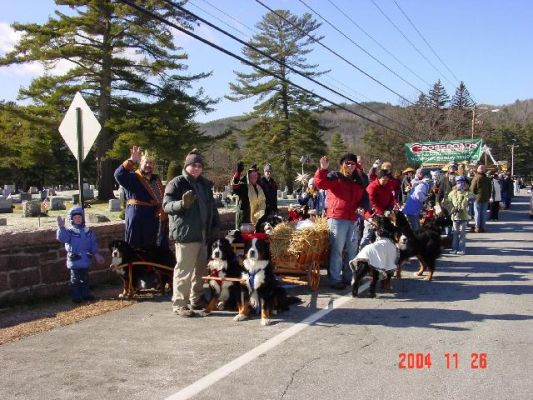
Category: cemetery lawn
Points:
column 16, row 221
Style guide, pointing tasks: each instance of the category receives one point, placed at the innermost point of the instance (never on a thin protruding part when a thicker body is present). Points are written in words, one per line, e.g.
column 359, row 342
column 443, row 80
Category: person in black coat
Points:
column 270, row 188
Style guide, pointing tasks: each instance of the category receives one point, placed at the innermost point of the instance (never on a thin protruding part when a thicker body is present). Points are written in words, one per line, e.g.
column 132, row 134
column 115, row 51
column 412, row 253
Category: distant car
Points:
column 531, row 206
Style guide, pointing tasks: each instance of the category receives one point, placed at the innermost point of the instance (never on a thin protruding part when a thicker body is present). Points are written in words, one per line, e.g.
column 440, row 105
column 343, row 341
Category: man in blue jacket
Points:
column 146, row 223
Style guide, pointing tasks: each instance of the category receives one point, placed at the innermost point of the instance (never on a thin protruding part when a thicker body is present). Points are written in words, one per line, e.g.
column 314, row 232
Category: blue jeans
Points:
column 459, row 236
column 368, row 235
column 343, row 236
column 480, row 214
column 79, row 284
column 414, row 221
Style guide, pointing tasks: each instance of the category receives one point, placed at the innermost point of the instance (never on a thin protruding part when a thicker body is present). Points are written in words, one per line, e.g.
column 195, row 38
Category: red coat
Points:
column 343, row 197
column 380, row 197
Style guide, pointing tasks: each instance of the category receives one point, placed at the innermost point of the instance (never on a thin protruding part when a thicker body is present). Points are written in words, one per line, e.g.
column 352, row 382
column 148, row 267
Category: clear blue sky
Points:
column 487, row 44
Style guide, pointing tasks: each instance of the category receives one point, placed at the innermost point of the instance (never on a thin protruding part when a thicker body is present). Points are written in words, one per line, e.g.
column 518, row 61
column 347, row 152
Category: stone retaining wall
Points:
column 33, row 263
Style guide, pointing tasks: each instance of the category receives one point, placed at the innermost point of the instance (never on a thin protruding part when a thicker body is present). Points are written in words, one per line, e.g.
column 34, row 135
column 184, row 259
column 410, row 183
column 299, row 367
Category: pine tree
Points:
column 121, row 60
column 462, row 99
column 336, row 148
column 285, row 126
column 438, row 97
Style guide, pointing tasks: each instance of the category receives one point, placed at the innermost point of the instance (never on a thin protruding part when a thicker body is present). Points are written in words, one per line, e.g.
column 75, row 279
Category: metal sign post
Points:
column 79, row 124
column 79, row 128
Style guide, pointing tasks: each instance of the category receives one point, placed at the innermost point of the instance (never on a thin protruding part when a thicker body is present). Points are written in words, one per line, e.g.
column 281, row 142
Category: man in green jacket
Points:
column 482, row 188
column 194, row 221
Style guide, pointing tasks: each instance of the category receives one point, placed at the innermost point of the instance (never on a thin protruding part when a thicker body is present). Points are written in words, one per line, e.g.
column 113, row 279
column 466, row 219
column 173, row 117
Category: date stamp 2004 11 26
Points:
column 451, row 360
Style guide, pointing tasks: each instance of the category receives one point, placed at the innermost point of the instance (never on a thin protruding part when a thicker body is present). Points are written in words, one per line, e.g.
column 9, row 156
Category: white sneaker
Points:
column 460, row 253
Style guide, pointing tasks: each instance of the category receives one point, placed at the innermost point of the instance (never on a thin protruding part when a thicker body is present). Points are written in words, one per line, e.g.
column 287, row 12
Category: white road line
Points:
column 225, row 370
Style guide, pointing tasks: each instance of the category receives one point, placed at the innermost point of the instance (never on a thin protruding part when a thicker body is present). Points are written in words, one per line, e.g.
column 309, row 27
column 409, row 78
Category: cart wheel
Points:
column 313, row 276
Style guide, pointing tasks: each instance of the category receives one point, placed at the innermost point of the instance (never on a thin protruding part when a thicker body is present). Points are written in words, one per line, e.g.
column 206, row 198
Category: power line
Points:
column 218, row 19
column 302, row 74
column 378, row 43
column 361, row 48
column 337, row 54
column 410, row 42
column 229, row 16
column 245, row 61
column 347, row 89
column 424, row 39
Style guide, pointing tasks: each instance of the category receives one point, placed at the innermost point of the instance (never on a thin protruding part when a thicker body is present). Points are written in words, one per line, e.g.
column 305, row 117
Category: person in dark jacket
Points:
column 344, row 194
column 270, row 189
column 146, row 223
column 81, row 245
column 194, row 221
column 313, row 198
column 482, row 187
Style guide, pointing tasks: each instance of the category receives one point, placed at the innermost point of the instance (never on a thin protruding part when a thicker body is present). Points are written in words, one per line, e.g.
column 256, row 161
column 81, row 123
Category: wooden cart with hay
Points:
column 298, row 254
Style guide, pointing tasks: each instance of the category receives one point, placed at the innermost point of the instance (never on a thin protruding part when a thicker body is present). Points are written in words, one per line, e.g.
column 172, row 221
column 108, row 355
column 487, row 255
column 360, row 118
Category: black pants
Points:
column 494, row 208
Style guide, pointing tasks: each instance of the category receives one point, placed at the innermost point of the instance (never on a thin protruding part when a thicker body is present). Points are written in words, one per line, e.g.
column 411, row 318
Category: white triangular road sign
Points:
column 69, row 126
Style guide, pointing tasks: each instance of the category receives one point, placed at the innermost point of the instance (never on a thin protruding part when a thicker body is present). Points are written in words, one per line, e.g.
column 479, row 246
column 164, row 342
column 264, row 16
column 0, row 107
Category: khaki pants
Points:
column 191, row 262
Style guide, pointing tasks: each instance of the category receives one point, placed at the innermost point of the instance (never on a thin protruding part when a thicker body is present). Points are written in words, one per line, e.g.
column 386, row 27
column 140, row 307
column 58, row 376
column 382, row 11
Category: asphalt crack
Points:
column 304, row 365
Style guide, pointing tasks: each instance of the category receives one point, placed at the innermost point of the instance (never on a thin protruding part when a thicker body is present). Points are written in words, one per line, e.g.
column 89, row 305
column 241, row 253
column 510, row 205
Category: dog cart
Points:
column 297, row 255
column 302, row 268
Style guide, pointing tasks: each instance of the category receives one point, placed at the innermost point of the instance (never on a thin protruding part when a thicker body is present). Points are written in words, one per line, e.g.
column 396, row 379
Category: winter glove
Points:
column 60, row 222
column 188, row 198
column 240, row 167
column 99, row 259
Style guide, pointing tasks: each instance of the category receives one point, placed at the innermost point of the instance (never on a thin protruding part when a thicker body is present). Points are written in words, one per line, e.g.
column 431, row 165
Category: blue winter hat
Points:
column 460, row 178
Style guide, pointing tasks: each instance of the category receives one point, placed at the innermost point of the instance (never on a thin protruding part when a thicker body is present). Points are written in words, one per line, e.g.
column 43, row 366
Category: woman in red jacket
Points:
column 345, row 191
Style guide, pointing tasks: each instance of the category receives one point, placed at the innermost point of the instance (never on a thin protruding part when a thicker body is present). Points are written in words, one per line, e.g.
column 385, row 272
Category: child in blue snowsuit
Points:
column 81, row 245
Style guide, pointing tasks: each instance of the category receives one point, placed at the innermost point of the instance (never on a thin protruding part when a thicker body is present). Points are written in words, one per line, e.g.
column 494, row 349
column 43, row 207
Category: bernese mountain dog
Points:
column 377, row 258
column 262, row 291
column 222, row 264
column 142, row 277
column 424, row 243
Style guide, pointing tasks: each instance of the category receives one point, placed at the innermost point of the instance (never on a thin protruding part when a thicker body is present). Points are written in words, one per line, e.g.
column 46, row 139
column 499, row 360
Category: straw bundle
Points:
column 287, row 241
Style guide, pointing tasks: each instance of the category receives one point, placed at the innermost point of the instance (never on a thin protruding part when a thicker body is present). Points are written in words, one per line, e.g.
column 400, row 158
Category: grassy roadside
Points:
column 20, row 321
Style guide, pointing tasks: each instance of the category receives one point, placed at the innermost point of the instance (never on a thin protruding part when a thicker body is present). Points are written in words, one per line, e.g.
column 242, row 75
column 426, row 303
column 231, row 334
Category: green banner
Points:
column 445, row 151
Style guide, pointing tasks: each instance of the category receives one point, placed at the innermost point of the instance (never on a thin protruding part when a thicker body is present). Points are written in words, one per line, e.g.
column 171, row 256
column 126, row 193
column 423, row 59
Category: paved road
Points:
column 479, row 304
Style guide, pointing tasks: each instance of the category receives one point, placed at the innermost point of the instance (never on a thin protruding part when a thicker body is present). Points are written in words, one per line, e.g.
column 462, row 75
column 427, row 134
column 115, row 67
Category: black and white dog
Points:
column 223, row 264
column 424, row 243
column 379, row 257
column 262, row 291
column 141, row 277
column 267, row 223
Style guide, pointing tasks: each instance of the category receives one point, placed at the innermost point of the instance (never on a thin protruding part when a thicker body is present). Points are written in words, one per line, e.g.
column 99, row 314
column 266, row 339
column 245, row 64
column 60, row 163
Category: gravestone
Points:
column 76, row 198
column 96, row 218
column 15, row 198
column 3, row 221
column 88, row 194
column 114, row 205
column 6, row 205
column 61, row 188
column 86, row 186
column 91, row 187
column 8, row 189
column 25, row 196
column 33, row 190
column 31, row 208
column 57, row 203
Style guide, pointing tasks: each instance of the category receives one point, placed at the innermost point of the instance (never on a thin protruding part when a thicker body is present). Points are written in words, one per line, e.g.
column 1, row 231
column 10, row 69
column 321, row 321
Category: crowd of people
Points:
column 345, row 194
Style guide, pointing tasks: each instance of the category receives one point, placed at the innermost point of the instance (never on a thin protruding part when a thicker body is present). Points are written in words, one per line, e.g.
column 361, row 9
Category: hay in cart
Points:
column 297, row 254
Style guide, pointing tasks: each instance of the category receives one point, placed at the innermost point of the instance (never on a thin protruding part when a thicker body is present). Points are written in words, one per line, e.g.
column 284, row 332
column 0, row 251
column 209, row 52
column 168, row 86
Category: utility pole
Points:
column 512, row 146
column 473, row 121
